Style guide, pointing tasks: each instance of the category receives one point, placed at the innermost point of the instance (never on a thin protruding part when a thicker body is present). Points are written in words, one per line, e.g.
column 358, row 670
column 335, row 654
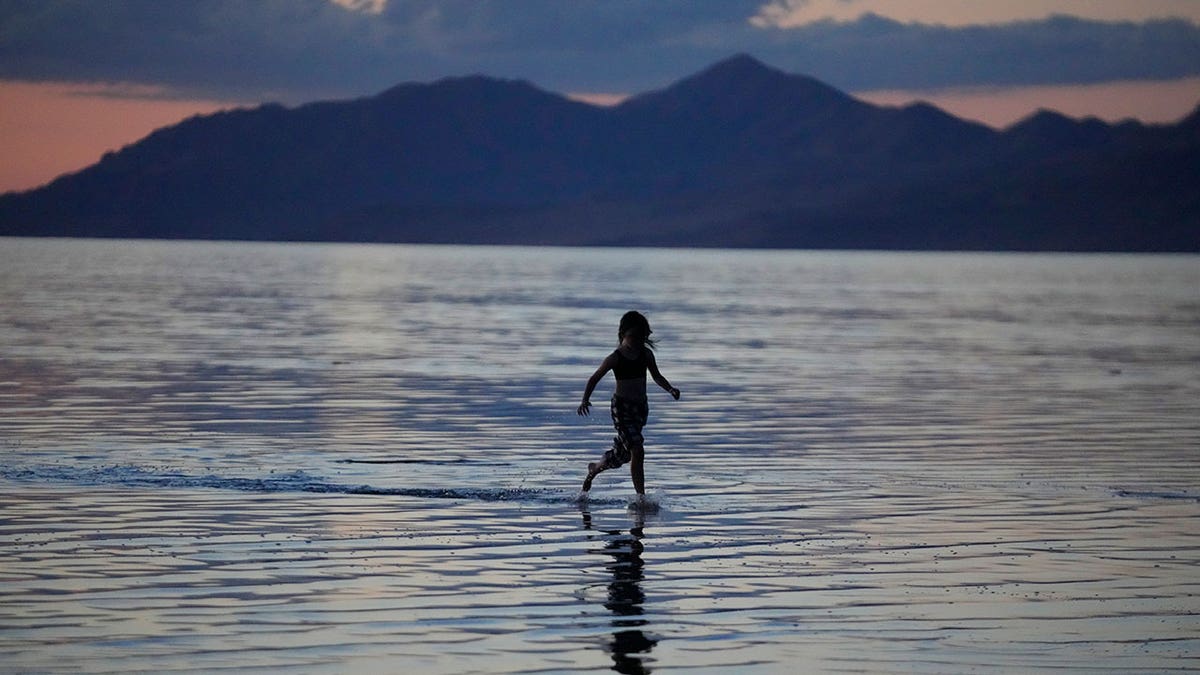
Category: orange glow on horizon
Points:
column 49, row 129
column 598, row 99
column 1154, row 102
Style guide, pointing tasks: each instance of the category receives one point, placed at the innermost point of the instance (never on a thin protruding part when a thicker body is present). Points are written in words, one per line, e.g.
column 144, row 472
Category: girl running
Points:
column 629, row 362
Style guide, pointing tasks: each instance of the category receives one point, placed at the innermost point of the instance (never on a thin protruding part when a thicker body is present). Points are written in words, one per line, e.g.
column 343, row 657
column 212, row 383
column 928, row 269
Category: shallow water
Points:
column 331, row 457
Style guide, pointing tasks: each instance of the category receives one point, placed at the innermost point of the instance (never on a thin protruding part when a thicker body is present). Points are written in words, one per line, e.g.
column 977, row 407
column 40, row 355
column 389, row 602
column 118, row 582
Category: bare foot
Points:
column 592, row 471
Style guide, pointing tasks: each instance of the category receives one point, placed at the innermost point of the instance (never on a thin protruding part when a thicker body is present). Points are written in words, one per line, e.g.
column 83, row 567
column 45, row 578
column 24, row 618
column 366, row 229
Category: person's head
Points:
column 635, row 326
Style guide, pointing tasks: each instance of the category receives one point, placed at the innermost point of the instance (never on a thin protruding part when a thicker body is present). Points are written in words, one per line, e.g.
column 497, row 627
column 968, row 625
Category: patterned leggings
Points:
column 628, row 416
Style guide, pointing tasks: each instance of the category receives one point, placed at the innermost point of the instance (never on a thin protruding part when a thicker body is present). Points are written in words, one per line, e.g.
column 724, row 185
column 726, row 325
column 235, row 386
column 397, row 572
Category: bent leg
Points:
column 629, row 416
column 616, row 456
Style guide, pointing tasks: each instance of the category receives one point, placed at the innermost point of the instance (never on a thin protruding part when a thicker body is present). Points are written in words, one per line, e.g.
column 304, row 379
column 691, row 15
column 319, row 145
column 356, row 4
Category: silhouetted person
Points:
column 629, row 362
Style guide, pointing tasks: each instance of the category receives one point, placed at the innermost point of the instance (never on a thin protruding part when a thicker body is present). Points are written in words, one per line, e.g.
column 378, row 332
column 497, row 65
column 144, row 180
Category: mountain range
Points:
column 738, row 155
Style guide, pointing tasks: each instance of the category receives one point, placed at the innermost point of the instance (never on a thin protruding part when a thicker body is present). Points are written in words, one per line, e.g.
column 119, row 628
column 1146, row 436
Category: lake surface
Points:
column 328, row 458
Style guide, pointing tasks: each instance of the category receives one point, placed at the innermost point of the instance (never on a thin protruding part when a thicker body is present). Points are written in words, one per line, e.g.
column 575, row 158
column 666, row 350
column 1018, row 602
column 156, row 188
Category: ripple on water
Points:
column 326, row 458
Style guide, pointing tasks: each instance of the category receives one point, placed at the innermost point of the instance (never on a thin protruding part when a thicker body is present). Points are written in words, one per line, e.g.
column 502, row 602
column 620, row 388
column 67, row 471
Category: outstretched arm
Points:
column 605, row 366
column 658, row 377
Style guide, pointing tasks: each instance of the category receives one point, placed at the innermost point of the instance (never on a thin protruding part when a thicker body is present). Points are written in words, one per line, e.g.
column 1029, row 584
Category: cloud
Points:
column 580, row 44
column 295, row 50
column 368, row 6
column 225, row 47
column 795, row 13
column 874, row 52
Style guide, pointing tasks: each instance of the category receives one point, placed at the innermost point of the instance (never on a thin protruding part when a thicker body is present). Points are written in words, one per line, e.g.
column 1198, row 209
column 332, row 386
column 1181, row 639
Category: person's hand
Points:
column 584, row 407
column 675, row 393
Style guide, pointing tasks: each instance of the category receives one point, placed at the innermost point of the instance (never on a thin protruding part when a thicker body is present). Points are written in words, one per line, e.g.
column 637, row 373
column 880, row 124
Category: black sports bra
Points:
column 627, row 368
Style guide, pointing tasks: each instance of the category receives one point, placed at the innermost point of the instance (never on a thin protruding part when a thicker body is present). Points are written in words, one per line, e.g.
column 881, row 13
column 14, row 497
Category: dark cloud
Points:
column 875, row 52
column 208, row 46
column 605, row 45
column 301, row 49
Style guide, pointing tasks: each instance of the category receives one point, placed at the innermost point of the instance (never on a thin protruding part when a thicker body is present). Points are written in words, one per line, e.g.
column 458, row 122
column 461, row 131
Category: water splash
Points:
column 295, row 481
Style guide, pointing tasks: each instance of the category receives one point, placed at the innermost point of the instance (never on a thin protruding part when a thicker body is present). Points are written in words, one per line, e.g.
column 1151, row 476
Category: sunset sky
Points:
column 82, row 77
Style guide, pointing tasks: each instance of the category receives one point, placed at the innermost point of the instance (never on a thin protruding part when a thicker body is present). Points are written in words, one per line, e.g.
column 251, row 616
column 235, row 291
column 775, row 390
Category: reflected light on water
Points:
column 332, row 458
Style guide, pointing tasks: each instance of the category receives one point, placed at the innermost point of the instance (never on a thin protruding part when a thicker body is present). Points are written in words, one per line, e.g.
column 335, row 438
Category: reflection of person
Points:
column 625, row 598
column 629, row 363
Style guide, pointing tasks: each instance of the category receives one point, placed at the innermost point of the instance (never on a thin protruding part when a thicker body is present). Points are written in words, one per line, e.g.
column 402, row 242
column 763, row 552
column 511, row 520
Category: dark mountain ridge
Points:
column 739, row 154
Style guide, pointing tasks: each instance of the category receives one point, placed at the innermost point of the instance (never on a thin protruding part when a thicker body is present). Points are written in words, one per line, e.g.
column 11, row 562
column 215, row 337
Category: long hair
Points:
column 636, row 326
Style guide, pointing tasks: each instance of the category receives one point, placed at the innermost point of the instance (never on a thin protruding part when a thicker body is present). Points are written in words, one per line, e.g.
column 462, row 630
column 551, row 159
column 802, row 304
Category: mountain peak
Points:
column 740, row 80
column 1049, row 123
column 736, row 73
column 1192, row 121
column 739, row 64
column 740, row 154
column 467, row 85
